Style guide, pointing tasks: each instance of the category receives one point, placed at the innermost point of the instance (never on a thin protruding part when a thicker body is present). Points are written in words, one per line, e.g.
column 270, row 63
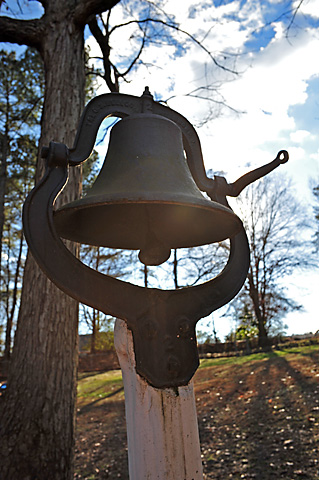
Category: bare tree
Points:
column 277, row 227
column 149, row 24
column 21, row 93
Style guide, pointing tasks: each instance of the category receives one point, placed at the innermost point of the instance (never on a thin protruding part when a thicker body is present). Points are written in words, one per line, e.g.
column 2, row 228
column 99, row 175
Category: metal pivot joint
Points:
column 162, row 321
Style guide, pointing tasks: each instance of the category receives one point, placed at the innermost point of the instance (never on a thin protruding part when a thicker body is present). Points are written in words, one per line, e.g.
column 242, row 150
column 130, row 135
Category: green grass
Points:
column 307, row 350
column 100, row 385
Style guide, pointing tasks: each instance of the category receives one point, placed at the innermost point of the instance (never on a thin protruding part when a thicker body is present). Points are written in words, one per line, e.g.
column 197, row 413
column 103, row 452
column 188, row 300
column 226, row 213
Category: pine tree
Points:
column 21, row 97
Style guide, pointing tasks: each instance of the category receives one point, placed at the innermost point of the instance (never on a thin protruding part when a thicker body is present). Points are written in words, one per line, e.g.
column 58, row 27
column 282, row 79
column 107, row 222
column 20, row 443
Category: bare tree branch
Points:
column 86, row 8
column 137, row 57
column 22, row 32
column 180, row 30
column 110, row 70
column 296, row 10
column 286, row 14
column 103, row 42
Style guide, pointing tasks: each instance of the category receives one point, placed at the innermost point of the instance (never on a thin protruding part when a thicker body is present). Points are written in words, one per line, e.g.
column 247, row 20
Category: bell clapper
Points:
column 155, row 252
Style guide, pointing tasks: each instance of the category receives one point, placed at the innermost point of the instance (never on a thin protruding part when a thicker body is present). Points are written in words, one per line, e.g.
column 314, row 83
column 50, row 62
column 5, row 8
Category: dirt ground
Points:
column 257, row 420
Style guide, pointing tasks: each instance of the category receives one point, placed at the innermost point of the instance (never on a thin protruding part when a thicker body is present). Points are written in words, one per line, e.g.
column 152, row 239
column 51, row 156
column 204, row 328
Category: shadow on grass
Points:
column 84, row 375
column 282, row 435
column 91, row 405
column 263, row 422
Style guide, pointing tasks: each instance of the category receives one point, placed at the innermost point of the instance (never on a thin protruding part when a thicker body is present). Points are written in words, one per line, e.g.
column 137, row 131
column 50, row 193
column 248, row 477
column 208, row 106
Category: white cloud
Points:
column 299, row 136
column 308, row 7
column 274, row 80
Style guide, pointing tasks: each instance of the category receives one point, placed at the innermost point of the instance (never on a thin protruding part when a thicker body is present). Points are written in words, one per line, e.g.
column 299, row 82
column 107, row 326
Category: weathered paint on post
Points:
column 162, row 429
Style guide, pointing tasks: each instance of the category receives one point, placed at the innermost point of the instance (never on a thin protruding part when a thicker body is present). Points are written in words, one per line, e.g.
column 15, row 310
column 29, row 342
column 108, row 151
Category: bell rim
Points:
column 64, row 217
column 161, row 198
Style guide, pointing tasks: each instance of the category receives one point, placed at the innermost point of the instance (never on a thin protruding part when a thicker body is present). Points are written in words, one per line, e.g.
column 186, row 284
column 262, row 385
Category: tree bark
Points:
column 7, row 345
column 94, row 329
column 37, row 411
column 3, row 177
column 262, row 332
column 38, row 421
column 175, row 262
column 37, row 426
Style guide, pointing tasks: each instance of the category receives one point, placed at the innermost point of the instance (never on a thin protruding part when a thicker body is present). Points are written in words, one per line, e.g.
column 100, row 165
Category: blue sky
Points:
column 276, row 89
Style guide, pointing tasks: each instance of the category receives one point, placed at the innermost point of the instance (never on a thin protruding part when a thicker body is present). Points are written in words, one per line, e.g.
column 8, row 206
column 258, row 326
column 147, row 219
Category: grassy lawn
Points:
column 307, row 350
column 102, row 386
column 98, row 386
column 258, row 418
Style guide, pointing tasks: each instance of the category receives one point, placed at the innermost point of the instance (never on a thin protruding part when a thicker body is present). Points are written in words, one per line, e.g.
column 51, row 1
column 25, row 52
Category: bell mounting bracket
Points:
column 162, row 321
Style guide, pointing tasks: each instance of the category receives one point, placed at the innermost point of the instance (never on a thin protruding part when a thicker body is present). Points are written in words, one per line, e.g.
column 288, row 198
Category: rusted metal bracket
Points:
column 162, row 321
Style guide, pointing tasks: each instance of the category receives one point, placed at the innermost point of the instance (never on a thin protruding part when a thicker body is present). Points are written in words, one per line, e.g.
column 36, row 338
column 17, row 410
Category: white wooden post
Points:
column 162, row 429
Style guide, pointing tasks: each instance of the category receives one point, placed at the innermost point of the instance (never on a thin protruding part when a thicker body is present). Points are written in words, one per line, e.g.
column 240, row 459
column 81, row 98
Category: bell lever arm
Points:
column 237, row 187
column 220, row 189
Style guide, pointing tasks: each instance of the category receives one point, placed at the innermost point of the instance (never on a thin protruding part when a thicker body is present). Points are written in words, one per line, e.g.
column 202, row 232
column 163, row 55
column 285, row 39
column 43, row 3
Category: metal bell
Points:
column 145, row 197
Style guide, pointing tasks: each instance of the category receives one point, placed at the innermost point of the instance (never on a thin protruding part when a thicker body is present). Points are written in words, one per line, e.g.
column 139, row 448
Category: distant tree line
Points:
column 21, row 100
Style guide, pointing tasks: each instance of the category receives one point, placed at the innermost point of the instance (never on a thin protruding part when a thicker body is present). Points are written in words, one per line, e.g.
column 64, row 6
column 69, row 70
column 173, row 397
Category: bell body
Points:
column 145, row 197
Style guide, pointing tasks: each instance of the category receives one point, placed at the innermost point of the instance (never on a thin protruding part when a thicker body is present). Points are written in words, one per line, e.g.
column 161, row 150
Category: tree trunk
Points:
column 7, row 345
column 38, row 416
column 145, row 269
column 93, row 336
column 175, row 269
column 262, row 332
column 3, row 179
